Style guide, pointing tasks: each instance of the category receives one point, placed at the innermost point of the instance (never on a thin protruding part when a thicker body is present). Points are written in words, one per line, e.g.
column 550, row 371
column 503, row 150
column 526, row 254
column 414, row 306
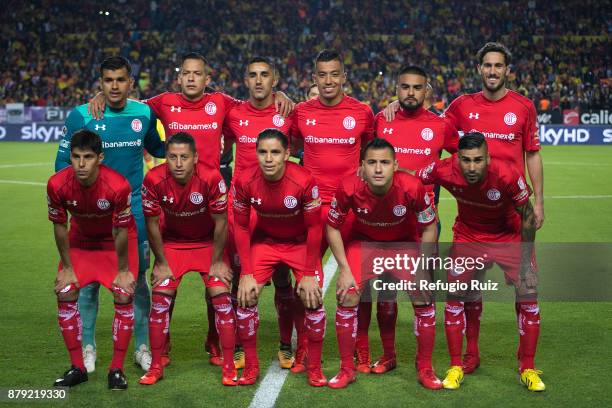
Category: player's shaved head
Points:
column 412, row 69
column 272, row 133
column 494, row 47
column 472, row 140
column 115, row 63
column 193, row 56
column 328, row 55
column 85, row 139
column 182, row 138
column 378, row 143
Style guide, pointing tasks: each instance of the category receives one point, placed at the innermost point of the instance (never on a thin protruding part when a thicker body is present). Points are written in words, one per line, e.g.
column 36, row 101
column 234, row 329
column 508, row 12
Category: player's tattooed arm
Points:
column 536, row 174
column 66, row 275
column 528, row 273
column 161, row 270
column 124, row 278
column 218, row 268
column 528, row 222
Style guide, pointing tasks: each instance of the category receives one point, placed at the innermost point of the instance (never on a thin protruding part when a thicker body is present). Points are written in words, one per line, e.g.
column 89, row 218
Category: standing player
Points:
column 242, row 126
column 509, row 122
column 100, row 246
column 288, row 231
column 331, row 129
column 495, row 216
column 191, row 237
column 418, row 137
column 388, row 206
column 127, row 128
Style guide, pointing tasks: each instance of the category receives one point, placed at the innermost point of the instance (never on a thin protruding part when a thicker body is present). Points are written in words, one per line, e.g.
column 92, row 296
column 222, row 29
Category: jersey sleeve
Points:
column 217, row 196
column 242, row 237
column 451, row 137
column 368, row 131
column 422, row 204
column 152, row 141
column 228, row 133
column 150, row 199
column 122, row 214
column 516, row 187
column 430, row 174
column 294, row 131
column 230, row 102
column 451, row 114
column 340, row 206
column 155, row 103
column 57, row 213
column 74, row 122
column 312, row 219
column 531, row 140
column 379, row 116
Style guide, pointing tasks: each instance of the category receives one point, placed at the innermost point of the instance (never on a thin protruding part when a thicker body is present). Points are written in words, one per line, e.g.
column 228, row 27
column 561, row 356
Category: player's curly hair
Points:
column 494, row 47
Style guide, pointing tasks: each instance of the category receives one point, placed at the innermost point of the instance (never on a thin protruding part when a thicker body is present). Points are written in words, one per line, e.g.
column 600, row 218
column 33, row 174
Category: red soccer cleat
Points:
column 214, row 354
column 383, row 364
column 165, row 361
column 299, row 365
column 342, row 379
column 470, row 363
column 152, row 376
column 229, row 377
column 362, row 355
column 428, row 379
column 316, row 377
column 249, row 376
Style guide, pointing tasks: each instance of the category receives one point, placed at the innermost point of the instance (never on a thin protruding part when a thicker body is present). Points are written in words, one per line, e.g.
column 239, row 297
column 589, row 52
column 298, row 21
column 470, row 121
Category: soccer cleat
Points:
column 214, row 354
column 142, row 357
column 363, row 362
column 470, row 363
column 342, row 379
column 89, row 358
column 165, row 360
column 454, row 378
column 285, row 356
column 383, row 364
column 71, row 377
column 429, row 379
column 152, row 376
column 316, row 377
column 530, row 378
column 299, row 364
column 249, row 376
column 229, row 377
column 117, row 380
column 239, row 360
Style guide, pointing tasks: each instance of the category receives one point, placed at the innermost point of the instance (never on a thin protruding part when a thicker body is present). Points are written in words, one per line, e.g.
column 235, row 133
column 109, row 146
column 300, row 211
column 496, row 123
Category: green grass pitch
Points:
column 574, row 348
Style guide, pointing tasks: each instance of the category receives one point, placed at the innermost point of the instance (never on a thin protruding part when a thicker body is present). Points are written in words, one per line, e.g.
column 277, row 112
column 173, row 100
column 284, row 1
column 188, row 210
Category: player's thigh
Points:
column 293, row 255
column 265, row 257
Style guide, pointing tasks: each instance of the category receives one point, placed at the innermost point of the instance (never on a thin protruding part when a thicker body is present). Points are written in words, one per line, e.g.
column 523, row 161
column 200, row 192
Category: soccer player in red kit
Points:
column 495, row 217
column 101, row 246
column 191, row 237
column 242, row 125
column 389, row 206
column 288, row 231
column 331, row 129
column 418, row 137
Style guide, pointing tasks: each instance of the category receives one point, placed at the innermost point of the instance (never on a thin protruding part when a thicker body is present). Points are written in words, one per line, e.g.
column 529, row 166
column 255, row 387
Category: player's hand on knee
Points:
column 221, row 271
column 160, row 273
column 247, row 291
column 96, row 106
column 310, row 292
column 125, row 281
column 65, row 277
column 344, row 283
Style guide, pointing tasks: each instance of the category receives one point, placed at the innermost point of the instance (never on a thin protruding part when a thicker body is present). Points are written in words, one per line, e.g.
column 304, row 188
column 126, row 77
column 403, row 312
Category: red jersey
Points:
column 509, row 124
column 94, row 210
column 487, row 210
column 186, row 221
column 287, row 210
column 243, row 124
column 203, row 119
column 392, row 217
column 333, row 136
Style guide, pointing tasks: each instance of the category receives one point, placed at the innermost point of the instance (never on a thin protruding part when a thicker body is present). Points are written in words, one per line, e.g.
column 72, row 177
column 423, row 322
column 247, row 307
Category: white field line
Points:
column 561, row 197
column 272, row 383
column 25, row 183
column 10, row 166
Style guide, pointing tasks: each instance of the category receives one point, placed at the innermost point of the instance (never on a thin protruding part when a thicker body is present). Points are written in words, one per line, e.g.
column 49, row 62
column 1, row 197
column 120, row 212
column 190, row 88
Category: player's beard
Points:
column 500, row 84
column 410, row 108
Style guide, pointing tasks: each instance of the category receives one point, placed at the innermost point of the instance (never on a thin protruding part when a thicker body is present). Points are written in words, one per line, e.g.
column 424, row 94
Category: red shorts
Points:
column 266, row 255
column 182, row 261
column 100, row 265
column 345, row 229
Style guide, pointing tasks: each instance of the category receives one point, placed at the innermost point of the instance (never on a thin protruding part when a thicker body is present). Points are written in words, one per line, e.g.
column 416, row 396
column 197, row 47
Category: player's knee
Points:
column 164, row 292
column 350, row 300
column 70, row 296
column 121, row 298
column 216, row 291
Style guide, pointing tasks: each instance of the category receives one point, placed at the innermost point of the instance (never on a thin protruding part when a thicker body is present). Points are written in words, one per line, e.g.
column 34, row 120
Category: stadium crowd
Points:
column 561, row 50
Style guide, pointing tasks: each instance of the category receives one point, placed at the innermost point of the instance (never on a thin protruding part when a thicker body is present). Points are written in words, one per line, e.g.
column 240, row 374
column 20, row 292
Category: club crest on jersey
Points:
column 136, row 125
column 510, row 118
column 196, row 198
column 103, row 204
column 521, row 183
column 427, row 134
column 315, row 192
column 222, row 187
column 210, row 108
column 290, row 202
column 349, row 122
column 399, row 210
column 278, row 120
column 493, row 194
column 427, row 199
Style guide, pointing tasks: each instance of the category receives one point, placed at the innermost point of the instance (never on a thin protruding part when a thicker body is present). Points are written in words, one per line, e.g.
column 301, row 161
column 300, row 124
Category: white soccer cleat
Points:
column 142, row 357
column 89, row 358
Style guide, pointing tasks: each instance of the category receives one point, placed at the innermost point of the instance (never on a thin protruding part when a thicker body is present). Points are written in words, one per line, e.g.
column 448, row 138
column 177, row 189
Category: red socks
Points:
column 346, row 331
column 425, row 332
column 122, row 332
column 528, row 316
column 386, row 315
column 454, row 327
column 72, row 329
column 225, row 322
column 248, row 323
column 159, row 325
column 315, row 330
column 473, row 311
column 283, row 300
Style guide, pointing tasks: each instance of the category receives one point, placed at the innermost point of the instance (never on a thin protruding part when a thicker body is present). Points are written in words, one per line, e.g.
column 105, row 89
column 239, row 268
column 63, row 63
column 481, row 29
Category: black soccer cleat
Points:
column 117, row 380
column 71, row 377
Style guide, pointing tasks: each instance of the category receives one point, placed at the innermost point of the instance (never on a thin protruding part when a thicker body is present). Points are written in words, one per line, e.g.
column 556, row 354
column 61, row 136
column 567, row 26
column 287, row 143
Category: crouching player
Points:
column 288, row 231
column 495, row 218
column 389, row 206
column 192, row 203
column 101, row 246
